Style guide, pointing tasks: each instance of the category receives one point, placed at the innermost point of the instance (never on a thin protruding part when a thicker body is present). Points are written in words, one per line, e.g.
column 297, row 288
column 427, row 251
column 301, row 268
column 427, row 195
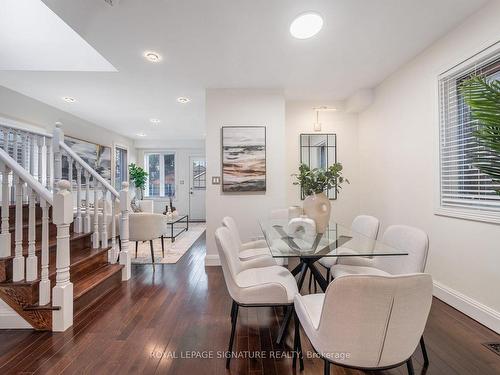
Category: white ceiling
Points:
column 228, row 44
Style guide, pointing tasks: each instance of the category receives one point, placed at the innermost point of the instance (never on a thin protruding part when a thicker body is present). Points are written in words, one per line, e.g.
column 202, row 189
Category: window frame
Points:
column 456, row 212
column 126, row 148
column 162, row 173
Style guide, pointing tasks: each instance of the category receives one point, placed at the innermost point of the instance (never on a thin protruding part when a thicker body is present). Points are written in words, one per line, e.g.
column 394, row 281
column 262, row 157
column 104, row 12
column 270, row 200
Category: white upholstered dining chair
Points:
column 366, row 322
column 365, row 226
column 402, row 237
column 258, row 251
column 251, row 287
column 146, row 227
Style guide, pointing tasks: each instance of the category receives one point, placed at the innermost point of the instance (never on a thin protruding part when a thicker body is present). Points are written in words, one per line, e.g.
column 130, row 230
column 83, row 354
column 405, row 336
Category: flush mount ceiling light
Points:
column 183, row 100
column 69, row 99
column 306, row 25
column 154, row 121
column 141, row 134
column 152, row 56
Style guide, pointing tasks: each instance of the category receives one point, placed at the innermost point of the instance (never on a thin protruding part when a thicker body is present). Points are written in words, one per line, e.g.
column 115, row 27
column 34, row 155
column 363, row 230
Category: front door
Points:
column 197, row 187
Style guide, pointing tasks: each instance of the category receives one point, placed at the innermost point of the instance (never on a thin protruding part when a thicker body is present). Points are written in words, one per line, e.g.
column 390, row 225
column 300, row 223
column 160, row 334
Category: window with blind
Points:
column 465, row 191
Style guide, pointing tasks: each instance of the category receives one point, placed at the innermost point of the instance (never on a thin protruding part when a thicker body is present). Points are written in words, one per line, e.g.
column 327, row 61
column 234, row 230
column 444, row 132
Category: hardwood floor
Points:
column 181, row 310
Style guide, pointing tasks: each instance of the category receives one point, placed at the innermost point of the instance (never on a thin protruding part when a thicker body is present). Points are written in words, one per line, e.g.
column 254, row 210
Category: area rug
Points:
column 173, row 250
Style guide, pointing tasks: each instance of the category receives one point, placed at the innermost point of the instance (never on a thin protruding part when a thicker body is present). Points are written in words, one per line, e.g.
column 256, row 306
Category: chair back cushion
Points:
column 229, row 259
column 230, row 224
column 366, row 225
column 373, row 321
column 145, row 226
column 410, row 239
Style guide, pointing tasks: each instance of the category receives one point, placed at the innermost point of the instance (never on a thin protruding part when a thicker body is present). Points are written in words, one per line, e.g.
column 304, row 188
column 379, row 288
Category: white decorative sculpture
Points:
column 301, row 227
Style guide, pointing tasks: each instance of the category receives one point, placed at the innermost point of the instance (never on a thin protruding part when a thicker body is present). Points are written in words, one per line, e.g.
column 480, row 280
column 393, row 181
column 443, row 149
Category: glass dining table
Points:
column 337, row 241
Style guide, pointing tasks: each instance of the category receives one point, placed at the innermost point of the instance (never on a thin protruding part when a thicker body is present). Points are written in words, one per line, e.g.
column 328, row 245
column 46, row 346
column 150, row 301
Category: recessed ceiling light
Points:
column 141, row 134
column 183, row 100
column 306, row 25
column 152, row 56
column 69, row 99
column 154, row 121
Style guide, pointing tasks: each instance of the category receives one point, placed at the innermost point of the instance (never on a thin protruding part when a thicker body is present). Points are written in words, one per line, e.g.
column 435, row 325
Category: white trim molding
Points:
column 474, row 309
column 212, row 260
column 9, row 319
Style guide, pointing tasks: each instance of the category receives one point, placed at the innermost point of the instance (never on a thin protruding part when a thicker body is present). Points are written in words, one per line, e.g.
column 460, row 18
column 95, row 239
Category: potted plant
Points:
column 138, row 176
column 313, row 183
column 483, row 98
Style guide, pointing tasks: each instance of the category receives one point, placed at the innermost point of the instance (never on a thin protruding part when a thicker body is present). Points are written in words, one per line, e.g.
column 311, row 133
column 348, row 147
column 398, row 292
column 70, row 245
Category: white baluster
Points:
column 5, row 249
column 114, row 252
column 32, row 260
column 39, row 145
column 30, row 142
column 95, row 236
column 124, row 254
column 70, row 172
column 56, row 149
column 62, row 294
column 104, row 229
column 18, row 263
column 48, row 165
column 6, row 134
column 24, row 160
column 44, row 287
column 15, row 156
column 86, row 221
column 78, row 225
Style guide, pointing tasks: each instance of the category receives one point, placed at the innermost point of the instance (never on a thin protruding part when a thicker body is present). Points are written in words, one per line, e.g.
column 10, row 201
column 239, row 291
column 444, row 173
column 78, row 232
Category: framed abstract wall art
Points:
column 243, row 158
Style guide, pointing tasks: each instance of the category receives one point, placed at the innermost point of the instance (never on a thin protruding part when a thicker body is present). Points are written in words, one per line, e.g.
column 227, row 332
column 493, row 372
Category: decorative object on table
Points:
column 301, row 227
column 95, row 155
column 138, row 176
column 294, row 211
column 175, row 214
column 319, row 151
column 134, row 205
column 483, row 98
column 243, row 158
column 314, row 182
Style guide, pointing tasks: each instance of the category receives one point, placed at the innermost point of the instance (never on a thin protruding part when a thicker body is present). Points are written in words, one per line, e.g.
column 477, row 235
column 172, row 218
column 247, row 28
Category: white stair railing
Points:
column 31, row 176
column 99, row 214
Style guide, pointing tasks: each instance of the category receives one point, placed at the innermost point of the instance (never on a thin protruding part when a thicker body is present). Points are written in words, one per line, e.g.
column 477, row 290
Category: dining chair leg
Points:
column 284, row 325
column 233, row 307
column 136, row 246
column 424, row 351
column 119, row 243
column 152, row 251
column 162, row 248
column 297, row 347
column 409, row 366
column 233, row 332
column 327, row 367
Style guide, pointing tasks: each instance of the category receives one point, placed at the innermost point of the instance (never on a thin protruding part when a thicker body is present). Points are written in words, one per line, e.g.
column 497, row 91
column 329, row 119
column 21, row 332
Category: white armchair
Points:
column 146, row 227
column 366, row 322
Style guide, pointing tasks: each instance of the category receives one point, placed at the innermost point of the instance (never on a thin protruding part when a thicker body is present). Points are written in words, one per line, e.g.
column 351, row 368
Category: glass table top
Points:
column 337, row 241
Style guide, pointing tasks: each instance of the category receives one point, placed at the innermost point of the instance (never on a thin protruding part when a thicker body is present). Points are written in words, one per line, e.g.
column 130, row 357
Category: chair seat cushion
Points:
column 268, row 285
column 252, row 253
column 313, row 304
column 339, row 270
column 327, row 262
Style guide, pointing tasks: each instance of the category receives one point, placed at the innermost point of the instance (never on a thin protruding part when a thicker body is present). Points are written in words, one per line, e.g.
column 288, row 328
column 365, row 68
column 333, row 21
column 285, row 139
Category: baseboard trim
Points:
column 212, row 260
column 474, row 309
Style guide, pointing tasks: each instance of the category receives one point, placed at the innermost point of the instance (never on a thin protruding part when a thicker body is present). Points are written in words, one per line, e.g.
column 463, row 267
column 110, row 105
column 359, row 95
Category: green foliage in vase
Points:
column 318, row 180
column 138, row 176
column 483, row 98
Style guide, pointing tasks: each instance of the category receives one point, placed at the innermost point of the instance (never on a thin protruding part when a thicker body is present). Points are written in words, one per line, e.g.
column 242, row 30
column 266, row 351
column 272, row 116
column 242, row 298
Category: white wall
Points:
column 299, row 119
column 27, row 110
column 398, row 158
column 244, row 107
column 183, row 150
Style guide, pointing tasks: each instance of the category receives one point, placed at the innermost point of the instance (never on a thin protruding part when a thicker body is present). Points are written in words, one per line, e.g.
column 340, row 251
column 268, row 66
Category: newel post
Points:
column 124, row 253
column 56, row 150
column 62, row 293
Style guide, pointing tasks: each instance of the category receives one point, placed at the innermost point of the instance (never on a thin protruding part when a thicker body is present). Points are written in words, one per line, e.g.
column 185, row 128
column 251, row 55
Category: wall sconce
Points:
column 323, row 108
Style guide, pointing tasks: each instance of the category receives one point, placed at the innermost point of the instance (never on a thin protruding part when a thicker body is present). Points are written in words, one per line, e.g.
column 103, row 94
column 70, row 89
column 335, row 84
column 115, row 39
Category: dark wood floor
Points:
column 179, row 309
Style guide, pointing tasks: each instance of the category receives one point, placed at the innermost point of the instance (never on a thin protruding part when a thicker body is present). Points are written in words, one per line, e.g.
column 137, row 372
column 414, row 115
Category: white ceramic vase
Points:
column 318, row 207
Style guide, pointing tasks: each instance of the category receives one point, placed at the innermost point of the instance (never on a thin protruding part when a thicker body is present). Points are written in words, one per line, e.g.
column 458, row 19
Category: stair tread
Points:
column 89, row 281
column 52, row 242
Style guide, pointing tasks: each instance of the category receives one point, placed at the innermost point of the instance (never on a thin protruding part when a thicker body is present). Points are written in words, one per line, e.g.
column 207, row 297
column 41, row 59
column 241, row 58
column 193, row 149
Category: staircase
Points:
column 53, row 263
